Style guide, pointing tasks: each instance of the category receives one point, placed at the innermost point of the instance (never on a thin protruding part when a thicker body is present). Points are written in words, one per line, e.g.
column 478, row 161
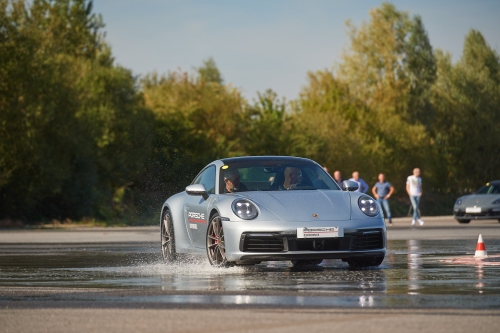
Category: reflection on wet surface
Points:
column 411, row 275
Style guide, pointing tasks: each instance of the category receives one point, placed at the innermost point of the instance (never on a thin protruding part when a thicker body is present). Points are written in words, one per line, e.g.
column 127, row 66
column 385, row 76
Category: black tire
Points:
column 365, row 262
column 498, row 220
column 167, row 237
column 215, row 244
column 306, row 263
column 463, row 221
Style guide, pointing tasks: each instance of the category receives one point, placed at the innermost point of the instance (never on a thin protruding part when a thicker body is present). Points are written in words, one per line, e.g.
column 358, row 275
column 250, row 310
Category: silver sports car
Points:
column 482, row 204
column 245, row 210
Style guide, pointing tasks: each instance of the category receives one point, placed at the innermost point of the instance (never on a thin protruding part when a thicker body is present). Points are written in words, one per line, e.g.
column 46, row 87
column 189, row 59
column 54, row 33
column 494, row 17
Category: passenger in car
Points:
column 232, row 181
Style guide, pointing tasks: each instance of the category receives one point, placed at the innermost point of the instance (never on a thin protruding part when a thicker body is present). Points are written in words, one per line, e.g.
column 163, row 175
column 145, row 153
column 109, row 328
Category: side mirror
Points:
column 350, row 186
column 197, row 189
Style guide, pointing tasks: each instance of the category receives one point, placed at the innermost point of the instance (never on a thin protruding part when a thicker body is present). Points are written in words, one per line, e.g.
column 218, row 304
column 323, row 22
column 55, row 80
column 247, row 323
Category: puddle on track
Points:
column 412, row 274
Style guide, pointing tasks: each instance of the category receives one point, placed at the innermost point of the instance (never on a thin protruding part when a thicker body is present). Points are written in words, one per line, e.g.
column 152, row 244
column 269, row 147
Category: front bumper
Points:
column 270, row 241
column 486, row 214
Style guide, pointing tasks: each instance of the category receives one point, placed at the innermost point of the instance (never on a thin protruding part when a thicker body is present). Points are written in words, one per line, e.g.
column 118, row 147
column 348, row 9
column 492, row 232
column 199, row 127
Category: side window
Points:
column 198, row 179
column 207, row 179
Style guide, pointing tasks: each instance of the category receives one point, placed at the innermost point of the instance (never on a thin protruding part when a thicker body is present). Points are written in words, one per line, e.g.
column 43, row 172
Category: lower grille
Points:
column 263, row 244
column 367, row 241
column 272, row 242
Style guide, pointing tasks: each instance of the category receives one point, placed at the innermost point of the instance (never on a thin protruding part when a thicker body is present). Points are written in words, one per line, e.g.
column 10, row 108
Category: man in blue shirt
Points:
column 362, row 185
column 382, row 191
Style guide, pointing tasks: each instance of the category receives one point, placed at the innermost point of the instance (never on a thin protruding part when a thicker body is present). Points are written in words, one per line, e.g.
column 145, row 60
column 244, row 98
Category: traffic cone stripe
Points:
column 480, row 248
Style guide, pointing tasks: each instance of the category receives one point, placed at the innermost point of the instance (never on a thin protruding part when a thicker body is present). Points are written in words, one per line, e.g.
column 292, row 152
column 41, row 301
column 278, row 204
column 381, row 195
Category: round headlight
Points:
column 245, row 209
column 368, row 205
column 458, row 202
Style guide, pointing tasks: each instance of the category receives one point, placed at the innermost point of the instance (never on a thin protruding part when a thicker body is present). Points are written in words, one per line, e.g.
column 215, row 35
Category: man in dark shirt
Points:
column 338, row 178
column 232, row 181
column 382, row 191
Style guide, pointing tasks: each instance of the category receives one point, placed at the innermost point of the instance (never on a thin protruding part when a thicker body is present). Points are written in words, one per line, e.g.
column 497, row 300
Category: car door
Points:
column 196, row 208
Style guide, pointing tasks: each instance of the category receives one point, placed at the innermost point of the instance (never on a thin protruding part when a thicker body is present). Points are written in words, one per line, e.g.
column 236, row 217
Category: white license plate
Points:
column 320, row 232
column 473, row 209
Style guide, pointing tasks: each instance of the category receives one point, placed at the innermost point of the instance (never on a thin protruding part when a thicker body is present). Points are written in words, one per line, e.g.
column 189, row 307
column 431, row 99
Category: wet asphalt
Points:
column 114, row 280
column 122, row 267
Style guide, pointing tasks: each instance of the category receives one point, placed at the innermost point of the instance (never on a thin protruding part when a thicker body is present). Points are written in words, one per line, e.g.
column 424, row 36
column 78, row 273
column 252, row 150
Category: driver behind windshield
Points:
column 293, row 176
column 232, row 182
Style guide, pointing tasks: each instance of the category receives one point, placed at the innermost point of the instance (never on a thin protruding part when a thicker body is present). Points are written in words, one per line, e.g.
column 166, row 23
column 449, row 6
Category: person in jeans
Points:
column 382, row 191
column 414, row 189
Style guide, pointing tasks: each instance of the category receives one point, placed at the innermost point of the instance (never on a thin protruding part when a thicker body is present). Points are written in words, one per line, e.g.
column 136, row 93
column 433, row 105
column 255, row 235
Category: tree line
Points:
column 81, row 136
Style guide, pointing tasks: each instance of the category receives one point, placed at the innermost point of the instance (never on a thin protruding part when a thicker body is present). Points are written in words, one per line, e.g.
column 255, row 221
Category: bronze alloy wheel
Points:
column 167, row 238
column 216, row 250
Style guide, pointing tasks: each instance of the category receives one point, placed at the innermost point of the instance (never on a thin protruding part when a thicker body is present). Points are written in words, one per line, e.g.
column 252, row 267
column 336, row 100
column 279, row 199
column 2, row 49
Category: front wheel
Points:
column 365, row 262
column 216, row 246
column 167, row 237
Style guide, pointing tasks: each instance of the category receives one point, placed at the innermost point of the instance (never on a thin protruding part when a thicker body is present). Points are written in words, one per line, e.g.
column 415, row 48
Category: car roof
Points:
column 264, row 159
column 494, row 182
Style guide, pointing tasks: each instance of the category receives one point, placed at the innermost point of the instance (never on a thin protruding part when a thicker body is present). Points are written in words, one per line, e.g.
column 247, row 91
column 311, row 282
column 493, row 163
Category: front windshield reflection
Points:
column 243, row 177
column 489, row 189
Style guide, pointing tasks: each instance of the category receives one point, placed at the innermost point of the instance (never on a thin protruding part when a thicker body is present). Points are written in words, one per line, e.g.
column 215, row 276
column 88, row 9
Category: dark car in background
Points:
column 480, row 205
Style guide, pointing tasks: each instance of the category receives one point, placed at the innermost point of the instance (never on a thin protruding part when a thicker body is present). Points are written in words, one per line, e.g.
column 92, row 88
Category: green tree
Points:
column 197, row 120
column 73, row 128
column 324, row 123
column 383, row 71
column 467, row 97
column 421, row 71
column 209, row 72
column 268, row 131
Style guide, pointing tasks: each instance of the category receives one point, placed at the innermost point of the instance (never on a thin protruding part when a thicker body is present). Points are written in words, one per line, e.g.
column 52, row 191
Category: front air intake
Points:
column 367, row 241
column 258, row 243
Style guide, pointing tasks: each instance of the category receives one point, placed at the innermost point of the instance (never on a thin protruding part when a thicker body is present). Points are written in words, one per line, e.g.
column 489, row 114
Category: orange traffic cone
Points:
column 480, row 248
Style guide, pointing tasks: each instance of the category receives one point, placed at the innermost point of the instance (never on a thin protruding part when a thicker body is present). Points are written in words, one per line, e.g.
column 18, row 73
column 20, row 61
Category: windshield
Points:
column 489, row 189
column 274, row 176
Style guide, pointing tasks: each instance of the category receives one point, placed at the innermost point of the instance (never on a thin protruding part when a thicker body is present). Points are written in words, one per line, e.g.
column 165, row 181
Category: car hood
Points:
column 479, row 199
column 304, row 205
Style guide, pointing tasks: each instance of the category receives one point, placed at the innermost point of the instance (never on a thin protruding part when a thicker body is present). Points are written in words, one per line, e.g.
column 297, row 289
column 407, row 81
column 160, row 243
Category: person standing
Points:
column 382, row 191
column 414, row 189
column 362, row 185
column 337, row 176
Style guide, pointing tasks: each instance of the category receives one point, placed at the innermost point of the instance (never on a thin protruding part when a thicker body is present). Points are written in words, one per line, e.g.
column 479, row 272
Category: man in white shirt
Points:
column 414, row 189
column 362, row 185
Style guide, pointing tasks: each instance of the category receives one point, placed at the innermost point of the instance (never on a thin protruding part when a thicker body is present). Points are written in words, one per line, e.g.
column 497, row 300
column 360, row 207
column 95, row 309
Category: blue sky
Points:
column 269, row 44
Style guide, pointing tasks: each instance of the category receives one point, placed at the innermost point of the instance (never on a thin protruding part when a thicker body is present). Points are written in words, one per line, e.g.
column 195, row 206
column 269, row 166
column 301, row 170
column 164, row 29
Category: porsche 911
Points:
column 246, row 210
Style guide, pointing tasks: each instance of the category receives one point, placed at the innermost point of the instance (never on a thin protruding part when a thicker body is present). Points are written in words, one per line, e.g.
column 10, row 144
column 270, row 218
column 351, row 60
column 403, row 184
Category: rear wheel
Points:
column 306, row 263
column 167, row 237
column 365, row 262
column 216, row 246
column 463, row 221
column 498, row 220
